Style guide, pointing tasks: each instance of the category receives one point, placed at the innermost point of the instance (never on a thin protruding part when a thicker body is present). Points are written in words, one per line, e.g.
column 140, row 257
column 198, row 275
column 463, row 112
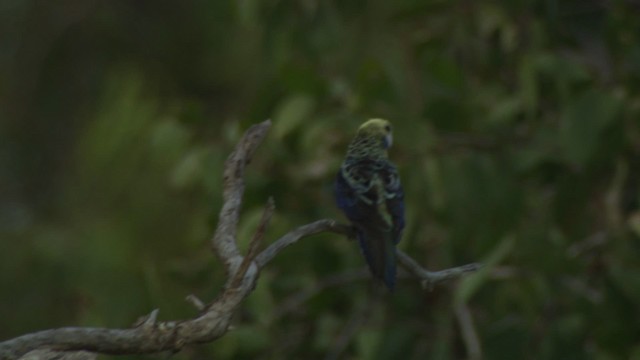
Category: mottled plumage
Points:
column 368, row 190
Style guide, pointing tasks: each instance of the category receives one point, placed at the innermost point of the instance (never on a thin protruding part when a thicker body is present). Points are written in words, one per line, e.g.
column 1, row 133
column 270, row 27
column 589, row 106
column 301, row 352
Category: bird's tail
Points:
column 380, row 253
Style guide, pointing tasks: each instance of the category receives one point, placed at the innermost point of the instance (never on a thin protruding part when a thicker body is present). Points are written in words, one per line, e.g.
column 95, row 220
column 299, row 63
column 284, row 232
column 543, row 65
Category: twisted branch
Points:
column 150, row 336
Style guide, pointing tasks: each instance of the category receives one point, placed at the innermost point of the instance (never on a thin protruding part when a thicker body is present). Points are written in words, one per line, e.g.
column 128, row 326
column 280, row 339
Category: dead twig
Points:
column 433, row 278
column 469, row 333
column 152, row 336
column 255, row 242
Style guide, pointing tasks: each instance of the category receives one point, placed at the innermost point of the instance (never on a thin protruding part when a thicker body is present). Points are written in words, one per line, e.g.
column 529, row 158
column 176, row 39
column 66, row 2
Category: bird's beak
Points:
column 388, row 140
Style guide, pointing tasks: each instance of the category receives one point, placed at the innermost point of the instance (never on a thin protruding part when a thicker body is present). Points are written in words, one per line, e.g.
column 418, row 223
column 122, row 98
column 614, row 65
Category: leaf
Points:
column 505, row 111
column 189, row 170
column 583, row 122
column 169, row 140
column 291, row 113
column 367, row 342
column 528, row 86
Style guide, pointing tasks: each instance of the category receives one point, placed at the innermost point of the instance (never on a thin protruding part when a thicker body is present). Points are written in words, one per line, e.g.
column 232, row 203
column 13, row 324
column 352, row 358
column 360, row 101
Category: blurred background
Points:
column 517, row 135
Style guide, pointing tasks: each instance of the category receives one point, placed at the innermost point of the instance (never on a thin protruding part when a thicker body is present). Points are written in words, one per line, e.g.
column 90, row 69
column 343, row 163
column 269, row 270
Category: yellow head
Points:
column 377, row 128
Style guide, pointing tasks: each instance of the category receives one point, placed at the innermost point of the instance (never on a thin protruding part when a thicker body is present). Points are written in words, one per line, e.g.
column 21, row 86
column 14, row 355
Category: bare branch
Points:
column 148, row 320
column 150, row 336
column 255, row 242
column 139, row 340
column 469, row 333
column 224, row 240
column 303, row 231
column 58, row 355
column 196, row 302
column 432, row 278
column 429, row 278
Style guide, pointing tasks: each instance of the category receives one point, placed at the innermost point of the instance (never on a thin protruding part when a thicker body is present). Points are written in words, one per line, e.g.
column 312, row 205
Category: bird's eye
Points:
column 387, row 128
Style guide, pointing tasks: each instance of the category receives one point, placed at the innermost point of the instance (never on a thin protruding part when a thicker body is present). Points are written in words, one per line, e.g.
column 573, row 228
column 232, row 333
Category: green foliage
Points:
column 517, row 135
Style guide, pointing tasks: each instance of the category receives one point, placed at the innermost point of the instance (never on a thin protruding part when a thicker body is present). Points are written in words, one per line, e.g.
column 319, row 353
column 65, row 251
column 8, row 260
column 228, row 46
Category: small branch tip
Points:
column 195, row 301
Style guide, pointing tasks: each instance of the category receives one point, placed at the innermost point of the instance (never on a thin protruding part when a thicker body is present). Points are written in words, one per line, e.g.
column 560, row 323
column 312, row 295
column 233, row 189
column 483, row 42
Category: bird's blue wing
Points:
column 395, row 200
column 347, row 198
column 370, row 195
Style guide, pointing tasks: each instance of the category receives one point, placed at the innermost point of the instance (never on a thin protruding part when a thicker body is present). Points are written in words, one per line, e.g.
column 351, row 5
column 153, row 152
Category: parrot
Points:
column 368, row 190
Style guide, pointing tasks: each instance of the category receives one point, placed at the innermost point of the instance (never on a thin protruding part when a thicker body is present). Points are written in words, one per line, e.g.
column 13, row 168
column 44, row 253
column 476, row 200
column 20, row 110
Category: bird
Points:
column 368, row 190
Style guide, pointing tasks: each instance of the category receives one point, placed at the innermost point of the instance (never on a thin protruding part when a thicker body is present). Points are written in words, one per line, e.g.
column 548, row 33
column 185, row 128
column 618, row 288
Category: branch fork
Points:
column 148, row 335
